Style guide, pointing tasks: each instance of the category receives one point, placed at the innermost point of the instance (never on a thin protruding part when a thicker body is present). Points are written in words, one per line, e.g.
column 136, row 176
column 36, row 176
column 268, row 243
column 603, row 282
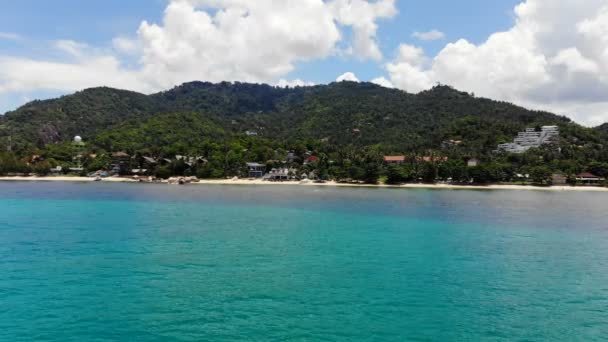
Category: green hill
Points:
column 84, row 113
column 346, row 124
column 342, row 113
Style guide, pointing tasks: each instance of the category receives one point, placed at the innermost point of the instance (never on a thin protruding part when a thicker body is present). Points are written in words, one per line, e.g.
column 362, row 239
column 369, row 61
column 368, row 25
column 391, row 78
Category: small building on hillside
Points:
column 310, row 160
column 451, row 143
column 559, row 179
column 291, row 157
column 394, row 160
column 255, row 170
column 587, row 178
column 473, row 162
column 531, row 138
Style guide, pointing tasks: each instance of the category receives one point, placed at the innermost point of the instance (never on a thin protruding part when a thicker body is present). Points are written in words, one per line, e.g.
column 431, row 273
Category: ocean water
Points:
column 130, row 262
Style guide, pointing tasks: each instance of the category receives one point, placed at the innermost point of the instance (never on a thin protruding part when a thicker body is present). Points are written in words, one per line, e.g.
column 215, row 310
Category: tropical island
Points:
column 346, row 133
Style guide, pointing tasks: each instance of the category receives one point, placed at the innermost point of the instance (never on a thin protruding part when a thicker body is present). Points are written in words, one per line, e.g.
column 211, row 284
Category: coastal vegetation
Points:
column 212, row 130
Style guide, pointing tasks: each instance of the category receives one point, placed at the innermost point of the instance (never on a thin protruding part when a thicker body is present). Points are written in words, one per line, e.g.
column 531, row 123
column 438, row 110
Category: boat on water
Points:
column 98, row 178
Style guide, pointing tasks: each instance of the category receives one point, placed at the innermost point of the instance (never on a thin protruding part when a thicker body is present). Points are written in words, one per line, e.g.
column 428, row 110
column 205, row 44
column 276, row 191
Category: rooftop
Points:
column 587, row 175
column 120, row 155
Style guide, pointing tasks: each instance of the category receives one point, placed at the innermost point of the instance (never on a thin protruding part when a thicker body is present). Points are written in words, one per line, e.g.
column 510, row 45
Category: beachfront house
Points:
column 57, row 170
column 255, row 170
column 165, row 161
column 280, row 174
column 149, row 162
column 394, row 160
column 120, row 163
column 559, row 179
column 587, row 178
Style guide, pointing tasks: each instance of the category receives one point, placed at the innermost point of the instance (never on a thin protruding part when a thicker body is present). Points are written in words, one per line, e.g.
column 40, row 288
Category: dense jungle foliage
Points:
column 348, row 126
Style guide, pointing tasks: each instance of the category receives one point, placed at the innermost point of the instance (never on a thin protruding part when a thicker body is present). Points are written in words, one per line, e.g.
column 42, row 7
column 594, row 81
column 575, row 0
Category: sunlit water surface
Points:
column 81, row 262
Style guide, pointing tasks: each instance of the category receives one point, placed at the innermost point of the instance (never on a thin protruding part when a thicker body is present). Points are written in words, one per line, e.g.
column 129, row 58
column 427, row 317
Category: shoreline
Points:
column 330, row 184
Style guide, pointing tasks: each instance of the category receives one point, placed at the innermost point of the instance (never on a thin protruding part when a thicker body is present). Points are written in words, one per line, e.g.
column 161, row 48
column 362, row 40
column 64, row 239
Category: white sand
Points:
column 64, row 179
column 334, row 184
column 407, row 186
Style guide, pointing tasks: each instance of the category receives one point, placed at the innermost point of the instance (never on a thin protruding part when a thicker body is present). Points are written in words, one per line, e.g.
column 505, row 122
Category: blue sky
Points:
column 31, row 29
column 474, row 20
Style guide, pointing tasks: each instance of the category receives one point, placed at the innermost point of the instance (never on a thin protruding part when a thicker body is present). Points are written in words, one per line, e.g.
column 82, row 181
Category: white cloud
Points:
column 87, row 69
column 72, row 48
column 283, row 83
column 211, row 40
column 407, row 70
column 382, row 81
column 429, row 36
column 10, row 36
column 555, row 57
column 256, row 41
column 347, row 76
column 362, row 16
column 126, row 45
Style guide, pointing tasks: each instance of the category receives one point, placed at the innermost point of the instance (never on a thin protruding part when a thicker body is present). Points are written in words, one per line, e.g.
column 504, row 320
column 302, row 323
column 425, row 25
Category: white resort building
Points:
column 531, row 138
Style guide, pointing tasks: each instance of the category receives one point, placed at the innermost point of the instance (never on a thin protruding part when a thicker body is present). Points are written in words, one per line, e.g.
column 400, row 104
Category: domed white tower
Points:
column 77, row 153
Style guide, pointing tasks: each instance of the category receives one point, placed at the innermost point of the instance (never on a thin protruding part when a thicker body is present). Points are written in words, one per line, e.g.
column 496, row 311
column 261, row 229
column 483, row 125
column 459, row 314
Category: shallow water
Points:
column 239, row 263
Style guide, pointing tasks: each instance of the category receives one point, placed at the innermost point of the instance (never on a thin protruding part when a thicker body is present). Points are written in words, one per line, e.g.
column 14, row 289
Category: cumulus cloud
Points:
column 258, row 41
column 212, row 40
column 429, row 36
column 555, row 57
column 347, row 76
column 407, row 71
column 382, row 81
column 362, row 16
column 87, row 68
column 283, row 83
column 126, row 45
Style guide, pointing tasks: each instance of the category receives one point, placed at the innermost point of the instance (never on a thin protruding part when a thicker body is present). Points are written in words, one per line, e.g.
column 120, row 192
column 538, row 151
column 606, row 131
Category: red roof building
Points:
column 394, row 159
column 310, row 160
column 589, row 178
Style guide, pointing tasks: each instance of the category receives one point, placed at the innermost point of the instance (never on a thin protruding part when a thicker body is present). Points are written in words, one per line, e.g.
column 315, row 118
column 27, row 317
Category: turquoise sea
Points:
column 130, row 262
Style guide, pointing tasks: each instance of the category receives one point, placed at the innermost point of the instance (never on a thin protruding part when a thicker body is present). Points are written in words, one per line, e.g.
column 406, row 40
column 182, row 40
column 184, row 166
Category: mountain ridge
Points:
column 342, row 113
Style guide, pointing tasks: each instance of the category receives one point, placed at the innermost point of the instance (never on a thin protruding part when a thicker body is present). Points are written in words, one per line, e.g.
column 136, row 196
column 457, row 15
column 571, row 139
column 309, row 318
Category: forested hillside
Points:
column 230, row 123
column 341, row 113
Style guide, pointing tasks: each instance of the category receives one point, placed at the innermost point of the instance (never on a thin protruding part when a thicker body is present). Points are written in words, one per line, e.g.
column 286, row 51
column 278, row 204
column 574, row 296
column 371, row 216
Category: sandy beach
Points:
column 331, row 183
column 66, row 179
